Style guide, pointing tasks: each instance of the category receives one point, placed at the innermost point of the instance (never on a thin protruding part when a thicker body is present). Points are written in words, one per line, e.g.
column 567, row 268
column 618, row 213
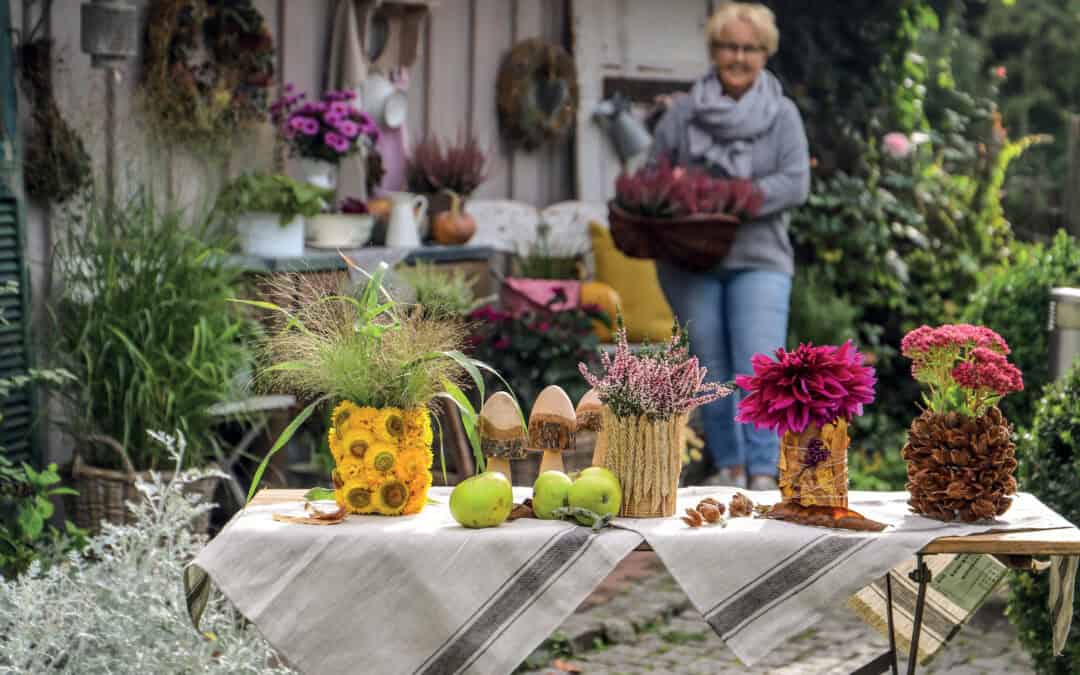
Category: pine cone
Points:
column 959, row 467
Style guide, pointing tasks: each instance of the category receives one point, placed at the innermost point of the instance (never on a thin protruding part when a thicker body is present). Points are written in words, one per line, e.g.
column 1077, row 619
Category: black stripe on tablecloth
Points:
column 766, row 572
column 484, row 605
column 531, row 580
column 494, row 639
column 934, row 620
column 783, row 583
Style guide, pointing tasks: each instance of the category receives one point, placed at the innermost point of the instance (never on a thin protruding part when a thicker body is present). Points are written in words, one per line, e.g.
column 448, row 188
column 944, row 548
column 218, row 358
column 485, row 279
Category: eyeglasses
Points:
column 734, row 49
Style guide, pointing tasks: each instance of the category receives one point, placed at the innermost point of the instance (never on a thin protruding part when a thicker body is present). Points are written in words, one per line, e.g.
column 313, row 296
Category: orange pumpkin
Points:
column 607, row 299
column 454, row 226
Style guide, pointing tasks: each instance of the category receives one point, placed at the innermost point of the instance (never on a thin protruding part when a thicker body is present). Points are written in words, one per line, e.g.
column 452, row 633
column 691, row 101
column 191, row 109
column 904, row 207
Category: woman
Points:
column 736, row 122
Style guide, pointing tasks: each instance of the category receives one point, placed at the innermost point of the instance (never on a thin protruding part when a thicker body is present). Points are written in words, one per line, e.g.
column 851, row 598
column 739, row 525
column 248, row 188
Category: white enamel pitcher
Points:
column 406, row 215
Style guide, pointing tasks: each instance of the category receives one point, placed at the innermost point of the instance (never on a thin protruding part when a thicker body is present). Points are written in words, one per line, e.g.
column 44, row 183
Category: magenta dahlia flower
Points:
column 807, row 386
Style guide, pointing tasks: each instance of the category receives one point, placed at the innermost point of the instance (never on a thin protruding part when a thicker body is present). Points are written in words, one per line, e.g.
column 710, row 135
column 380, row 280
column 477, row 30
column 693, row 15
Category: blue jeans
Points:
column 732, row 315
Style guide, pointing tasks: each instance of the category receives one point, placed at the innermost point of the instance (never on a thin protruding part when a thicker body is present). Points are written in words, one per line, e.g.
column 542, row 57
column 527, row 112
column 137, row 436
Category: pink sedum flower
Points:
column 807, row 386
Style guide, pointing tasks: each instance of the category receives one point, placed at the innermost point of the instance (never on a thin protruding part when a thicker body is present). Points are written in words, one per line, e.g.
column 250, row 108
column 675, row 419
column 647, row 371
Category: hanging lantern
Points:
column 109, row 32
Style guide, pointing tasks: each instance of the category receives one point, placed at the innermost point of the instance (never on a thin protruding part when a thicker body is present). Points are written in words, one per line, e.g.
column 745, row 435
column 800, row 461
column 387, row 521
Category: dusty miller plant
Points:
column 120, row 606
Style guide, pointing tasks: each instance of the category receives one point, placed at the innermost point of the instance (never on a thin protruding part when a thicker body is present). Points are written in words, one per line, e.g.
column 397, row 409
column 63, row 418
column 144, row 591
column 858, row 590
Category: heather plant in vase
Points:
column 808, row 396
column 960, row 454
column 647, row 397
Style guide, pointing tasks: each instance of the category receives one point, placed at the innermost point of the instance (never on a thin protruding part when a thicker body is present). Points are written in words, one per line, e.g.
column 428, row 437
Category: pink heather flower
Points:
column 349, row 129
column 810, row 385
column 336, row 141
column 990, row 370
column 654, row 384
column 896, row 145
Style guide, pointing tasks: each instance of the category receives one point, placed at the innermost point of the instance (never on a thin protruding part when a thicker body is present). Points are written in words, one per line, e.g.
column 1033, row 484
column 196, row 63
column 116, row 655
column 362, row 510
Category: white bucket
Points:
column 262, row 235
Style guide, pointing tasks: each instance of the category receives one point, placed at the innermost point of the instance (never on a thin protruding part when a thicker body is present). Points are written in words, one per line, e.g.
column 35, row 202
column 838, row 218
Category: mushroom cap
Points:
column 553, row 402
column 590, row 402
column 500, row 418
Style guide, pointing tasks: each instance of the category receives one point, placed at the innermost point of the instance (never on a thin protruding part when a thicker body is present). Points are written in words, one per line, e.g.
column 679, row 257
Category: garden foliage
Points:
column 1049, row 465
column 145, row 325
column 120, row 607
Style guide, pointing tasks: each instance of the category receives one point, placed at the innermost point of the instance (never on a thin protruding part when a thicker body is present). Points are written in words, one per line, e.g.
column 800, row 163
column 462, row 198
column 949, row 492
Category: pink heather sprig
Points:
column 964, row 367
column 656, row 384
column 807, row 386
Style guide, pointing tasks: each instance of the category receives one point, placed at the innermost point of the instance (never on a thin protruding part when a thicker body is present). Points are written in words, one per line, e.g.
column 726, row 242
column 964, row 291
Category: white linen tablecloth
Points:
column 420, row 594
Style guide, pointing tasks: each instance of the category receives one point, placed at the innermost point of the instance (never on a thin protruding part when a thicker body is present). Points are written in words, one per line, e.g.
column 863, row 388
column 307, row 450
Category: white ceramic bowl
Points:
column 339, row 230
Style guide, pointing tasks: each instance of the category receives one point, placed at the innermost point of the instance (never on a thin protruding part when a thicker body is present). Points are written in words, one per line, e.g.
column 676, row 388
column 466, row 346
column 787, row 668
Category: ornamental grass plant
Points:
column 143, row 322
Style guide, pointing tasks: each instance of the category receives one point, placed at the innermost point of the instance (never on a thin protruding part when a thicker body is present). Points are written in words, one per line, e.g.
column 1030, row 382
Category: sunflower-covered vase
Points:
column 382, row 459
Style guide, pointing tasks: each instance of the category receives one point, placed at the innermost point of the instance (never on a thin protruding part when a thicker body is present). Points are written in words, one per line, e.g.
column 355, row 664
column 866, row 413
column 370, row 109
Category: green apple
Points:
column 599, row 470
column 598, row 491
column 550, row 492
column 483, row 500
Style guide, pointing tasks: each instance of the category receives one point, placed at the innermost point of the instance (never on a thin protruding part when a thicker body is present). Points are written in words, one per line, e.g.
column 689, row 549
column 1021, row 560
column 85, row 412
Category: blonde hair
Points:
column 757, row 15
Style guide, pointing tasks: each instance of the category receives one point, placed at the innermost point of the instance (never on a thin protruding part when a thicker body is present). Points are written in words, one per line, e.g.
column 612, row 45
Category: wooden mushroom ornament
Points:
column 590, row 418
column 552, row 427
column 502, row 437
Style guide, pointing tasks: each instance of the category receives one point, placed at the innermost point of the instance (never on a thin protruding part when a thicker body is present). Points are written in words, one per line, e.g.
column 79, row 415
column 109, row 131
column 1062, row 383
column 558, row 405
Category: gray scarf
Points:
column 722, row 129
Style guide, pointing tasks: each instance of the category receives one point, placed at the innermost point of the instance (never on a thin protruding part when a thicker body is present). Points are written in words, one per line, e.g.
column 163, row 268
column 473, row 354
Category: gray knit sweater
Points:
column 781, row 169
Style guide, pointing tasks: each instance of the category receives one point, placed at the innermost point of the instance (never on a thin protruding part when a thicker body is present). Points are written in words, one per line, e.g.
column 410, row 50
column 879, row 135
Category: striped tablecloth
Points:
column 421, row 594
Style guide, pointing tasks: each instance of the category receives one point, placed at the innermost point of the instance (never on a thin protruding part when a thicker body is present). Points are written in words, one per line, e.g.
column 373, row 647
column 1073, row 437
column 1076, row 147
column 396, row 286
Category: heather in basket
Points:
column 960, row 453
column 683, row 216
column 647, row 397
column 808, row 396
column 380, row 364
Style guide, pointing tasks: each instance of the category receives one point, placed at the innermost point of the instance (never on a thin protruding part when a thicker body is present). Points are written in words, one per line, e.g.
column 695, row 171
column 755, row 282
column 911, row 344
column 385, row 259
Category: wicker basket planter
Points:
column 681, row 241
column 646, row 456
column 104, row 493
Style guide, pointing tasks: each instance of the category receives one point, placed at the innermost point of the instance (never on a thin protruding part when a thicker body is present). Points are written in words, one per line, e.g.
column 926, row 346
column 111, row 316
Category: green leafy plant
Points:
column 546, row 259
column 273, row 193
column 25, row 508
column 1014, row 300
column 145, row 326
column 1049, row 457
column 364, row 347
column 442, row 293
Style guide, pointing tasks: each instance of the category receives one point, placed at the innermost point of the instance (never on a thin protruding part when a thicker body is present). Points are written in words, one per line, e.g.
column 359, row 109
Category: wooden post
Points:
column 1072, row 185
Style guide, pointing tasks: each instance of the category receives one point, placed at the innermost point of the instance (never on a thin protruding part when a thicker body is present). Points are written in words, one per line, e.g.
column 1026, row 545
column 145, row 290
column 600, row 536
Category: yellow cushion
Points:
column 644, row 308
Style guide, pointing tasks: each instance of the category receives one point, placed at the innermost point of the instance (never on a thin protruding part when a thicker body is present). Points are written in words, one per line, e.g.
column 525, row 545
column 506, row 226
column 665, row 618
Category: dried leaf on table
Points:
column 523, row 510
column 824, row 516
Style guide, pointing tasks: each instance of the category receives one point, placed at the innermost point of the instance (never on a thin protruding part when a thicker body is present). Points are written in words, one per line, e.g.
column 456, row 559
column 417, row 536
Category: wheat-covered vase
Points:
column 813, row 465
column 646, row 456
column 960, row 467
column 382, row 459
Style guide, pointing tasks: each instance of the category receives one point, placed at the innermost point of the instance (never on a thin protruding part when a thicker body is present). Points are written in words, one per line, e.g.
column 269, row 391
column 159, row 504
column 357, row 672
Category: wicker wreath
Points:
column 207, row 68
column 537, row 93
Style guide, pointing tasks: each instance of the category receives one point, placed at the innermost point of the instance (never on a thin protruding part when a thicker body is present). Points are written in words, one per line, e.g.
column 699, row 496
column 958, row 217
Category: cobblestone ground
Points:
column 840, row 643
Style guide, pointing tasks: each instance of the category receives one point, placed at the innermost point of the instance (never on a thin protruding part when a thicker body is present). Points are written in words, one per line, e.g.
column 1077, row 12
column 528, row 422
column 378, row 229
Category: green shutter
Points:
column 16, row 434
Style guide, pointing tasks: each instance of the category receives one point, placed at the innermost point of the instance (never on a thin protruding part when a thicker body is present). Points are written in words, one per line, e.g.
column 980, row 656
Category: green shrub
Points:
column 145, row 325
column 1014, row 300
column 1049, row 468
column 442, row 293
column 273, row 193
column 818, row 313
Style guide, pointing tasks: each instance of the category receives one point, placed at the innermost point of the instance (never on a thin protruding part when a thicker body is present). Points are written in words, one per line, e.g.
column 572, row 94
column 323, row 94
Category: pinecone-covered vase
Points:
column 382, row 459
column 960, row 467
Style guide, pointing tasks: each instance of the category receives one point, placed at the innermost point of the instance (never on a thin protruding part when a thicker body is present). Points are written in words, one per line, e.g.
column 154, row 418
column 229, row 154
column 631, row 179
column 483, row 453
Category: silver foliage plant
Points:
column 119, row 607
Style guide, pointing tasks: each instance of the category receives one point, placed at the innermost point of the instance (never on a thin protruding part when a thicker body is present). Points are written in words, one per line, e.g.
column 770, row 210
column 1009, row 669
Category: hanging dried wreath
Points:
column 207, row 66
column 537, row 93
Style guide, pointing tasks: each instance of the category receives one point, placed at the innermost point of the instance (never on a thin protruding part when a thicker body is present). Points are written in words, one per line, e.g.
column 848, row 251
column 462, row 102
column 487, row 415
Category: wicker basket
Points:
column 103, row 493
column 696, row 243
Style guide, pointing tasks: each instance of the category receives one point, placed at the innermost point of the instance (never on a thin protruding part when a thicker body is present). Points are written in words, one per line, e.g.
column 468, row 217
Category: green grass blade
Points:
column 469, row 420
column 289, row 432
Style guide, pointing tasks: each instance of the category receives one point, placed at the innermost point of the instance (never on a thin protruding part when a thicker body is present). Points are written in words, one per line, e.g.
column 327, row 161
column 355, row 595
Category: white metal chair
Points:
column 503, row 224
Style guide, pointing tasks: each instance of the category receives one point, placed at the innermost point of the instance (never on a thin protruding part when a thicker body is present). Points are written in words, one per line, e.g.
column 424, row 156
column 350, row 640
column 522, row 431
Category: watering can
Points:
column 627, row 132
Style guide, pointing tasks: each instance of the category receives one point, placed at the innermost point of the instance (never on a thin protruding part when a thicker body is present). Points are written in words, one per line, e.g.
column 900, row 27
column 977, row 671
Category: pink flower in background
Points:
column 309, row 126
column 502, row 343
column 809, row 385
column 988, row 370
column 1000, row 72
column 337, row 141
column 896, row 145
column 349, row 129
column 340, row 109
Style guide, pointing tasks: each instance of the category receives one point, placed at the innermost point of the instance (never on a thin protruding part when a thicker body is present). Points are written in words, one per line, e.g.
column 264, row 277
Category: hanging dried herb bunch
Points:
column 56, row 165
column 207, row 66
